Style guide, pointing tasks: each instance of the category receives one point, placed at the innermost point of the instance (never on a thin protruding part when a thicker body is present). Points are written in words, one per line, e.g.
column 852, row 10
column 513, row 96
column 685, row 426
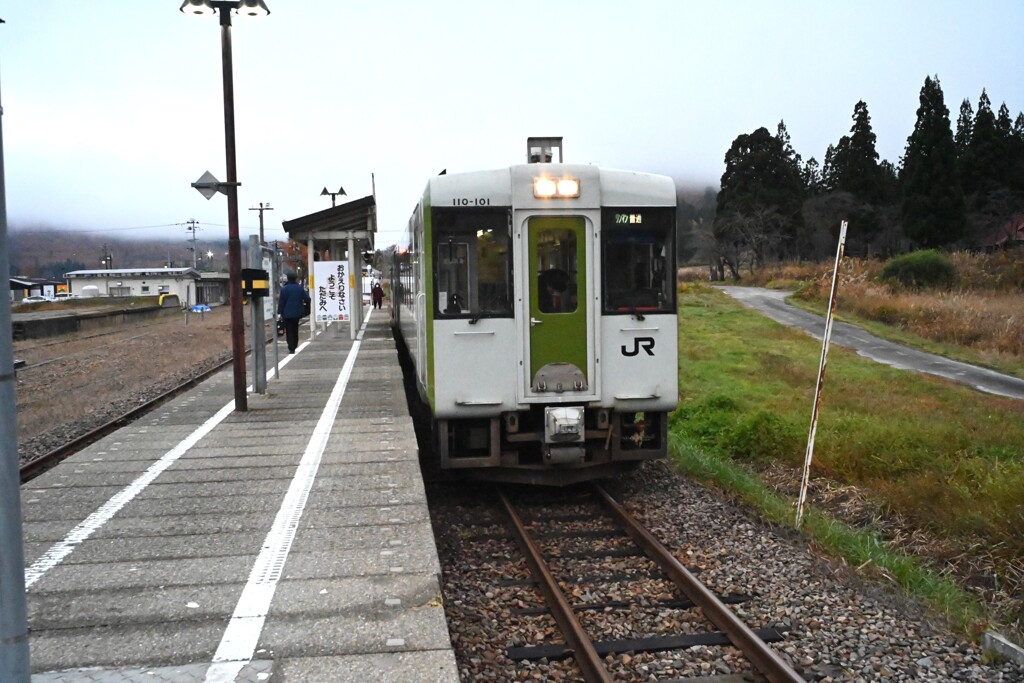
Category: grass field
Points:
column 945, row 461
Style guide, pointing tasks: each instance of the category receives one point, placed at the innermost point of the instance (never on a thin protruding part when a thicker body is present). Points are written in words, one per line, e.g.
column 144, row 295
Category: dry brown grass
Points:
column 84, row 373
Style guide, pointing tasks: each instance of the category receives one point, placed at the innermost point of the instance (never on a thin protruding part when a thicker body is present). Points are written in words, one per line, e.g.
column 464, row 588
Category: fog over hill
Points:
column 43, row 251
column 51, row 253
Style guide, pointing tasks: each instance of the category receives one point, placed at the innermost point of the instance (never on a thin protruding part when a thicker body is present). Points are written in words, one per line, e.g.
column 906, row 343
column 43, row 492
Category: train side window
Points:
column 452, row 275
column 638, row 260
column 472, row 264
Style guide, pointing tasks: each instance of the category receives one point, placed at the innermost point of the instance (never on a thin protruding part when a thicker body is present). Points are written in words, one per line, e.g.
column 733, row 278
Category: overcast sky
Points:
column 113, row 107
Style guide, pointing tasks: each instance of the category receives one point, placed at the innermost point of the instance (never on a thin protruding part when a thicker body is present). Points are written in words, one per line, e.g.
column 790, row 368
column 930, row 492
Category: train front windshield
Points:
column 638, row 260
column 472, row 264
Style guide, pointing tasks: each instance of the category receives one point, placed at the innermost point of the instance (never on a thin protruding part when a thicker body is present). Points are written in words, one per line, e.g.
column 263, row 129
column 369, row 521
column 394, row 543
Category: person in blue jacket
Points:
column 292, row 306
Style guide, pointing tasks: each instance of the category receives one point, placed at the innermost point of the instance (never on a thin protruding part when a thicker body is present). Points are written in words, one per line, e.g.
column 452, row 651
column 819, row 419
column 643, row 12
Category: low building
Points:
column 1011, row 234
column 22, row 287
column 135, row 282
column 212, row 288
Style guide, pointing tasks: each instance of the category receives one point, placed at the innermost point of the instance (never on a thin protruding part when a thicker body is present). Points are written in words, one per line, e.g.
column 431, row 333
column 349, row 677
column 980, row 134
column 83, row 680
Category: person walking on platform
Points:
column 292, row 305
column 377, row 294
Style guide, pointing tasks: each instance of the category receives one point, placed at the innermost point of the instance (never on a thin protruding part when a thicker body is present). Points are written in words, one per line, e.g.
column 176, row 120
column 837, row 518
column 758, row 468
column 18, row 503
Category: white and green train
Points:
column 538, row 306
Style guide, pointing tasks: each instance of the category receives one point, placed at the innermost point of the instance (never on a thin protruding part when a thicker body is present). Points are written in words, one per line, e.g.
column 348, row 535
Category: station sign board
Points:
column 331, row 294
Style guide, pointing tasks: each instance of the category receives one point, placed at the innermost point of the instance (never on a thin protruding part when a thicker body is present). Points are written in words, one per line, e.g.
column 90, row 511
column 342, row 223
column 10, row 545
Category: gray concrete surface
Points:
column 151, row 591
column 772, row 303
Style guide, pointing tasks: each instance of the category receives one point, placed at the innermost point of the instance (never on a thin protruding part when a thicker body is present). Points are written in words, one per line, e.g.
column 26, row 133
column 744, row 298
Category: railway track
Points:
column 41, row 464
column 51, row 458
column 600, row 597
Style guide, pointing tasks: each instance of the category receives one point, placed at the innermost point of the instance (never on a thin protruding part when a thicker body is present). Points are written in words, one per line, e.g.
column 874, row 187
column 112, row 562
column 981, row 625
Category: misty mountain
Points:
column 51, row 253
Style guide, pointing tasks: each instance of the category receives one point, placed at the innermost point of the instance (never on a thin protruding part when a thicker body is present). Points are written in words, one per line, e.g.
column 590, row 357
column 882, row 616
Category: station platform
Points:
column 291, row 542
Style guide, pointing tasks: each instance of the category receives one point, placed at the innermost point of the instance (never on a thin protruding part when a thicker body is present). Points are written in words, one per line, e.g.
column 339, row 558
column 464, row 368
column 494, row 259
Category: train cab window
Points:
column 472, row 264
column 638, row 260
column 556, row 271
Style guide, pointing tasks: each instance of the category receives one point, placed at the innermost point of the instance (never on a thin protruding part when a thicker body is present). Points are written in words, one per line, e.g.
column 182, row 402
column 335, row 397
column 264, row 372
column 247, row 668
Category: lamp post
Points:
column 250, row 8
column 333, row 195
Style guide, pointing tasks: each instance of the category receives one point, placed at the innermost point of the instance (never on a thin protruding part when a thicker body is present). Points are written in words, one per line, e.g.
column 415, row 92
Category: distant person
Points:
column 377, row 294
column 292, row 306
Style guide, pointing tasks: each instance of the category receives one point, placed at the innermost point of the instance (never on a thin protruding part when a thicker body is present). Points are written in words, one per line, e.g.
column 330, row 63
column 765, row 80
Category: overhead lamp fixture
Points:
column 333, row 195
column 253, row 8
column 198, row 7
column 249, row 8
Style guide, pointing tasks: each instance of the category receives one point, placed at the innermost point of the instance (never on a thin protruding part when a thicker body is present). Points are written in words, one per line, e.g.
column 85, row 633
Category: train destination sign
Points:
column 331, row 293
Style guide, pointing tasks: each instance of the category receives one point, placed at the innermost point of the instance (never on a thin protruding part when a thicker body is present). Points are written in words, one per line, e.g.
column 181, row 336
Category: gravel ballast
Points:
column 840, row 627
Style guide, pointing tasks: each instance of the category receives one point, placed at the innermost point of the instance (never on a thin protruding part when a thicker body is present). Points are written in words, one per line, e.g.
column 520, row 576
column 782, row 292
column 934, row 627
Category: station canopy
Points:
column 355, row 220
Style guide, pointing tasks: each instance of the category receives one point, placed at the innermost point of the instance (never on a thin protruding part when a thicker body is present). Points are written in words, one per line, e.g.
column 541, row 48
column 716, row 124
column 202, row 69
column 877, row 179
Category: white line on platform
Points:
column 58, row 551
column 241, row 637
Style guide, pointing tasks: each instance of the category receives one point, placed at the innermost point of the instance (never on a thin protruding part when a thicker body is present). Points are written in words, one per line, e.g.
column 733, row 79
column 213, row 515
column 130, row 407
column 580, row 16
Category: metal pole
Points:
column 355, row 297
column 234, row 246
column 312, row 284
column 14, row 653
column 259, row 343
column 274, row 283
column 805, row 480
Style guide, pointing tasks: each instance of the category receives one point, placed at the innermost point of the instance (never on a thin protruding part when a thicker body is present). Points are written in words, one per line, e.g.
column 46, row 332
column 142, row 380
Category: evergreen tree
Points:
column 964, row 129
column 758, row 207
column 810, row 174
column 932, row 209
column 983, row 169
column 1016, row 164
column 828, row 170
column 1007, row 152
column 782, row 134
column 890, row 182
column 856, row 160
column 1004, row 127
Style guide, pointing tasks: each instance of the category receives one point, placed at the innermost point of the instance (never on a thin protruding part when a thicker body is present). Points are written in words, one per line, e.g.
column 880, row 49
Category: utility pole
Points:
column 107, row 259
column 193, row 226
column 261, row 208
column 14, row 654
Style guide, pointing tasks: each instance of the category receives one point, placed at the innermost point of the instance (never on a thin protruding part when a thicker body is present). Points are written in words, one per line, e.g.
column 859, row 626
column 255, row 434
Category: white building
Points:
column 135, row 282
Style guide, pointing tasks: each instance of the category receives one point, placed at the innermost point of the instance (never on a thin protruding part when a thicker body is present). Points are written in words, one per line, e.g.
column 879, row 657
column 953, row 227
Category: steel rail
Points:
column 764, row 658
column 583, row 651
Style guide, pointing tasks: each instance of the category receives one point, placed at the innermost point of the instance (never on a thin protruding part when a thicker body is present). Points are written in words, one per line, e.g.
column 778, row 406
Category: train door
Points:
column 557, row 291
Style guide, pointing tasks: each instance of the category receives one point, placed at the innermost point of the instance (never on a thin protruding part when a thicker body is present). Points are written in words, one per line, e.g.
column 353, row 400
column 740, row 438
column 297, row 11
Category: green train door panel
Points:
column 557, row 285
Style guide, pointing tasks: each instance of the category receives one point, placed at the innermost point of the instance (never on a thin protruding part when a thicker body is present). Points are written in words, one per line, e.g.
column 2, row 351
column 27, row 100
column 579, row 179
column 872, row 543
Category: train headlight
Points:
column 546, row 188
column 564, row 424
column 568, row 187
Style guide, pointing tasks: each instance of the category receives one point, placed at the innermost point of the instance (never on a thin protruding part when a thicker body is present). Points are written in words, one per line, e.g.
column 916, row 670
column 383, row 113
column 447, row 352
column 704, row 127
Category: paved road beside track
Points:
column 772, row 303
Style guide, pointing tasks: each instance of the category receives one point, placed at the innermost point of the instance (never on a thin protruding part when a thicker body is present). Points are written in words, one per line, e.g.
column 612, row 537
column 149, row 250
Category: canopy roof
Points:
column 352, row 220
